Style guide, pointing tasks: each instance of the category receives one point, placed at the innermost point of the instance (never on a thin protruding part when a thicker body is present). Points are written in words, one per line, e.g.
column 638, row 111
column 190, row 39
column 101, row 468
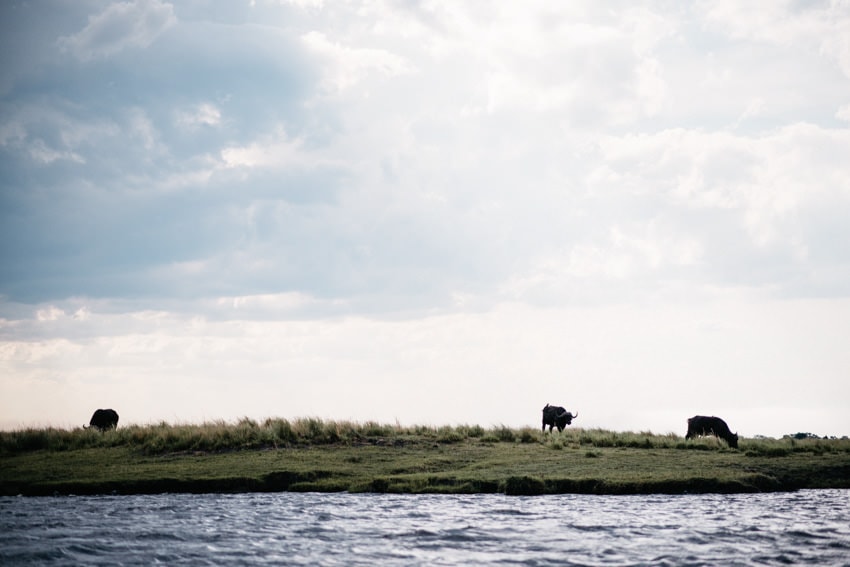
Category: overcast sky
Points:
column 438, row 212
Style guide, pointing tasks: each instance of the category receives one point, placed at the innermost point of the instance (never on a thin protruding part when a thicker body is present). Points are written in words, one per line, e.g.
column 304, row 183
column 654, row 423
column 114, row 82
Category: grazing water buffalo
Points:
column 556, row 416
column 104, row 419
column 704, row 425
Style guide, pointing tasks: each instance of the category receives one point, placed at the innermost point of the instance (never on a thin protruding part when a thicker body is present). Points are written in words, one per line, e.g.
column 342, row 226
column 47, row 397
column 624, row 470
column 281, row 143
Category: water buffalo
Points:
column 704, row 425
column 104, row 419
column 556, row 416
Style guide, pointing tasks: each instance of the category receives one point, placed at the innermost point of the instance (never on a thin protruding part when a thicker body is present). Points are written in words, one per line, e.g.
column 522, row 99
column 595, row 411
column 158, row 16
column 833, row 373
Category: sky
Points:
column 426, row 212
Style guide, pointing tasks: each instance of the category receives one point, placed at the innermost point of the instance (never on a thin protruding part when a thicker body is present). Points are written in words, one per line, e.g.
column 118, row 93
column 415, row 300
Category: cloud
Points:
column 345, row 66
column 276, row 151
column 765, row 178
column 821, row 26
column 413, row 166
column 203, row 114
column 51, row 133
column 359, row 197
column 120, row 26
column 304, row 4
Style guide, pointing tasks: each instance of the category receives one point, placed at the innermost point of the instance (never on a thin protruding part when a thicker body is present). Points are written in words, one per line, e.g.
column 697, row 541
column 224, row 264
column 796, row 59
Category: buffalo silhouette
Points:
column 705, row 425
column 556, row 416
column 104, row 419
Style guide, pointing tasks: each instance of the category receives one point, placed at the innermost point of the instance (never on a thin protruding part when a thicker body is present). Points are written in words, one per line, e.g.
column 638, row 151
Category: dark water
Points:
column 807, row 527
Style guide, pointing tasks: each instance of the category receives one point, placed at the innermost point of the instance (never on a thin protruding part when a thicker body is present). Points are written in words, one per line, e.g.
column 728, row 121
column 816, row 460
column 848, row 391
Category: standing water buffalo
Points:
column 104, row 419
column 703, row 425
column 556, row 416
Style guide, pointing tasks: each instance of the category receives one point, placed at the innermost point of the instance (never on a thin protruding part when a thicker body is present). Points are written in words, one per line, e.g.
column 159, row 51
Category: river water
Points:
column 806, row 527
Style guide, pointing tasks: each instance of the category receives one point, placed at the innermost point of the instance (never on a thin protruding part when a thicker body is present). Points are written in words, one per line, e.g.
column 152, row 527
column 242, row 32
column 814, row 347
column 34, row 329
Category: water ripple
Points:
column 807, row 527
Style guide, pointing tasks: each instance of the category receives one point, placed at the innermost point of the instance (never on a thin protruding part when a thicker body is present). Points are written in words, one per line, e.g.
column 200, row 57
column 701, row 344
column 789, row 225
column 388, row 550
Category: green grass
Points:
column 316, row 455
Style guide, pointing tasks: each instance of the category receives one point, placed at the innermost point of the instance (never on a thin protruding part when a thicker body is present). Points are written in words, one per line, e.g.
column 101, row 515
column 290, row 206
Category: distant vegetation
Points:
column 811, row 436
column 245, row 434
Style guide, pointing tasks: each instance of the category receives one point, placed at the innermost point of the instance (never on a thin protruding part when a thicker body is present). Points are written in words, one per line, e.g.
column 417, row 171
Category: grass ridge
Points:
column 274, row 433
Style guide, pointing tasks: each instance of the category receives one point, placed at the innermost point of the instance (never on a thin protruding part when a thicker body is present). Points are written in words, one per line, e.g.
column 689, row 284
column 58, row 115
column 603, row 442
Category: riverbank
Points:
column 372, row 458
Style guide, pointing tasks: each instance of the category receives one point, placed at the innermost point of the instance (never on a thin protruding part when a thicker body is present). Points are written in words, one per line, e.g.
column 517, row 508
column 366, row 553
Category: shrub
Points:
column 475, row 431
column 281, row 430
column 448, row 435
column 527, row 435
column 373, row 429
column 505, row 434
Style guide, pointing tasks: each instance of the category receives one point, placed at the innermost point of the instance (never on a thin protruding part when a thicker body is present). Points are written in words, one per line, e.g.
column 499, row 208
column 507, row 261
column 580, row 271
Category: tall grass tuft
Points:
column 505, row 434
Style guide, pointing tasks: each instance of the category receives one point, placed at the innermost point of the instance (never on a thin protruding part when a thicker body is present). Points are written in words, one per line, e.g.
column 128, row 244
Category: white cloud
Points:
column 276, row 151
column 119, row 26
column 837, row 43
column 49, row 313
column 39, row 151
column 49, row 134
column 766, row 178
column 772, row 22
column 598, row 270
column 303, row 4
column 345, row 67
column 142, row 128
column 203, row 114
column 266, row 305
column 821, row 26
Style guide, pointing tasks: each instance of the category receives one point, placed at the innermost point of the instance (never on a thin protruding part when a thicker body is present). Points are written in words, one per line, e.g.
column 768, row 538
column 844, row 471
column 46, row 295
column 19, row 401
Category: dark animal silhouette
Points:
column 556, row 416
column 704, row 425
column 104, row 419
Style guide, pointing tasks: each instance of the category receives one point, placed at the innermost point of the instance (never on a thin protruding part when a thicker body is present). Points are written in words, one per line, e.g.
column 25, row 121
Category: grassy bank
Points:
column 317, row 455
